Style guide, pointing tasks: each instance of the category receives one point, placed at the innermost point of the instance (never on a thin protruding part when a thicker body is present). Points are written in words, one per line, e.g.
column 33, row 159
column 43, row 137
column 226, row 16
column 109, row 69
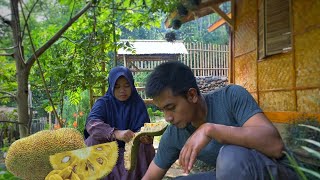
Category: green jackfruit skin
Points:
column 132, row 147
column 28, row 158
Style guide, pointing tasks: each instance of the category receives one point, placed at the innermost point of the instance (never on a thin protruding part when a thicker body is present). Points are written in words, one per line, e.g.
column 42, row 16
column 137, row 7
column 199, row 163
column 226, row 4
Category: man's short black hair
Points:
column 173, row 75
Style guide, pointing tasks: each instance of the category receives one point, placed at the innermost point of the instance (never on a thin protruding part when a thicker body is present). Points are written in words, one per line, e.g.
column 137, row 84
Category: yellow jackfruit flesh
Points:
column 132, row 147
column 89, row 163
column 66, row 173
column 28, row 158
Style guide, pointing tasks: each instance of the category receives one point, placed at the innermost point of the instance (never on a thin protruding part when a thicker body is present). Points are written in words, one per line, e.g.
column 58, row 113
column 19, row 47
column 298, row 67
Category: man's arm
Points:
column 256, row 133
column 154, row 172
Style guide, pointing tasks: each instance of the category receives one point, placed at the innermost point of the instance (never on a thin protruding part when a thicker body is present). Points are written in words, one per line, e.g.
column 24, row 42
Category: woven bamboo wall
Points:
column 308, row 100
column 277, row 101
column 306, row 34
column 276, row 72
column 287, row 82
column 276, row 81
column 245, row 27
column 246, row 71
column 307, row 55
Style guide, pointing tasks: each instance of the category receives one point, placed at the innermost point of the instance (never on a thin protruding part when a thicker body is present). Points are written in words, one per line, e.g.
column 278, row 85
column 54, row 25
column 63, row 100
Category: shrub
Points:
column 303, row 139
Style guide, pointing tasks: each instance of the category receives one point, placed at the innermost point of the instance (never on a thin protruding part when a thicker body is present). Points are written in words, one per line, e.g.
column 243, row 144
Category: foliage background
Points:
column 72, row 65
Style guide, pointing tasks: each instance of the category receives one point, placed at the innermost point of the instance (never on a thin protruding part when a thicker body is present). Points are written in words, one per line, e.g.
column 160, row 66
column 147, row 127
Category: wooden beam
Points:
column 218, row 23
column 205, row 8
column 289, row 116
column 170, row 18
column 223, row 15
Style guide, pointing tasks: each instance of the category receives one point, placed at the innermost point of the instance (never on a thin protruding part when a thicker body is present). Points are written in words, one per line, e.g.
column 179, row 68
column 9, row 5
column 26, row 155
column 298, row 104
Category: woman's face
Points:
column 122, row 89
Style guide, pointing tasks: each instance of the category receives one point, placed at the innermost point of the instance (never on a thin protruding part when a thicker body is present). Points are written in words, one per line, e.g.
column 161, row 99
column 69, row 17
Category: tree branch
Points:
column 41, row 73
column 28, row 16
column 3, row 97
column 70, row 40
column 5, row 54
column 14, row 122
column 6, row 21
column 43, row 48
column 10, row 94
column 9, row 48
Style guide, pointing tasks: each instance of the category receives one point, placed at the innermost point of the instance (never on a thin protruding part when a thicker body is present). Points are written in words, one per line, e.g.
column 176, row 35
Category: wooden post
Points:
column 125, row 61
column 50, row 120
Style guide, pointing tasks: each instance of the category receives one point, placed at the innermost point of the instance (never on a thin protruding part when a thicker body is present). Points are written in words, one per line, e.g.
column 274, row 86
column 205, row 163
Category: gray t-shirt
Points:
column 231, row 105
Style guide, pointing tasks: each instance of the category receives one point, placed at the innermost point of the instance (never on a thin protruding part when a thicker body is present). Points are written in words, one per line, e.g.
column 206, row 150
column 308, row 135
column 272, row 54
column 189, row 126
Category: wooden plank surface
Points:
column 287, row 117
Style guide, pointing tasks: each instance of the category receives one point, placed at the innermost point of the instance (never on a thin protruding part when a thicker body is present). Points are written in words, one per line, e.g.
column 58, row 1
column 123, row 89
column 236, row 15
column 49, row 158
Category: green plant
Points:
column 308, row 137
column 4, row 174
column 5, row 146
column 297, row 132
column 81, row 124
column 153, row 114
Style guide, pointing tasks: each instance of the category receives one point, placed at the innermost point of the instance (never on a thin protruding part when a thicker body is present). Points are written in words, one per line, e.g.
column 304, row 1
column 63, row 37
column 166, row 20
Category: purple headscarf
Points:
column 130, row 114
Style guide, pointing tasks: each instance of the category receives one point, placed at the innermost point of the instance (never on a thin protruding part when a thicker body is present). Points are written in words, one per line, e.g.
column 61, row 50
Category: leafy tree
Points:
column 79, row 46
column 20, row 10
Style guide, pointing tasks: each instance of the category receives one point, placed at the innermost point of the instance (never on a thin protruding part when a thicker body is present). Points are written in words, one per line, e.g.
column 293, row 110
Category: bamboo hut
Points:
column 274, row 52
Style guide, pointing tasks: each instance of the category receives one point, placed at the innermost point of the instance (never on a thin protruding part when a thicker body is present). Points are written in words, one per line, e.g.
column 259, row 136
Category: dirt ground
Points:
column 175, row 170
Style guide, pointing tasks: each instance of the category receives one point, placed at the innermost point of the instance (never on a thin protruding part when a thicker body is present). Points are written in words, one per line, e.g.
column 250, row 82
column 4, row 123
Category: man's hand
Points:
column 146, row 139
column 124, row 135
column 192, row 147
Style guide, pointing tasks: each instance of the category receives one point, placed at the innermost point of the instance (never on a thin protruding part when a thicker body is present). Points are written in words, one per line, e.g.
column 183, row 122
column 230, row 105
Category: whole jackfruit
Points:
column 28, row 158
column 88, row 163
column 132, row 147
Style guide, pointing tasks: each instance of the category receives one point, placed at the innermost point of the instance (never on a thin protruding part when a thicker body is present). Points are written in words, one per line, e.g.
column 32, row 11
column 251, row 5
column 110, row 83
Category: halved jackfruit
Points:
column 28, row 157
column 132, row 147
column 89, row 163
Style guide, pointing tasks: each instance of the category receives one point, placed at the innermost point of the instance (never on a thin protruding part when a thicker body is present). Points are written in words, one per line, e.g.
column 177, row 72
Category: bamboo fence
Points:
column 203, row 59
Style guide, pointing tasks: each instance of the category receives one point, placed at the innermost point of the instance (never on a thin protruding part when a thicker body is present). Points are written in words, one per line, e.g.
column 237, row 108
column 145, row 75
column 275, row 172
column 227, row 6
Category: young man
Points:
column 225, row 128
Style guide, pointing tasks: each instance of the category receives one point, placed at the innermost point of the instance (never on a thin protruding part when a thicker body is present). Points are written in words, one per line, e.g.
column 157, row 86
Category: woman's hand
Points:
column 146, row 139
column 124, row 135
column 192, row 147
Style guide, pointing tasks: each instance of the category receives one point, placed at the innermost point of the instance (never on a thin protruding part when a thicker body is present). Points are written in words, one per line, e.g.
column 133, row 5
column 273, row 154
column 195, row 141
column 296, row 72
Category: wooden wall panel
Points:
column 245, row 28
column 246, row 71
column 309, row 101
column 277, row 101
column 307, row 55
column 276, row 72
column 306, row 15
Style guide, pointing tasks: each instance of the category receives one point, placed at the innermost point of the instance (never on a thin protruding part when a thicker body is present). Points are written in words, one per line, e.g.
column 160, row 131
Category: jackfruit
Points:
column 132, row 147
column 89, row 163
column 28, row 158
column 66, row 173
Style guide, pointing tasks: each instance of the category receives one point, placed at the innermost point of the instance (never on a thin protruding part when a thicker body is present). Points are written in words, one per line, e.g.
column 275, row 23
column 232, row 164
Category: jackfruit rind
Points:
column 89, row 163
column 132, row 147
column 28, row 158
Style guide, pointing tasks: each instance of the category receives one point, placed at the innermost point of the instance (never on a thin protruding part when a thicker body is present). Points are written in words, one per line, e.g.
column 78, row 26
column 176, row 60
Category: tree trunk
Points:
column 23, row 67
column 22, row 101
column 22, row 70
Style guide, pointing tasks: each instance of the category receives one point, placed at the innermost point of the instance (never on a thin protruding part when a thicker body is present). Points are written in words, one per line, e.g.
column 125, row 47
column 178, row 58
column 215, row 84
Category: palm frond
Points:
column 312, row 151
column 316, row 143
column 309, row 126
column 309, row 171
column 296, row 167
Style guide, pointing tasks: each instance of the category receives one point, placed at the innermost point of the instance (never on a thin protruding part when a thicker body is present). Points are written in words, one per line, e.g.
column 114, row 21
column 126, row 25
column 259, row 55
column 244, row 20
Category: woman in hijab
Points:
column 116, row 116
